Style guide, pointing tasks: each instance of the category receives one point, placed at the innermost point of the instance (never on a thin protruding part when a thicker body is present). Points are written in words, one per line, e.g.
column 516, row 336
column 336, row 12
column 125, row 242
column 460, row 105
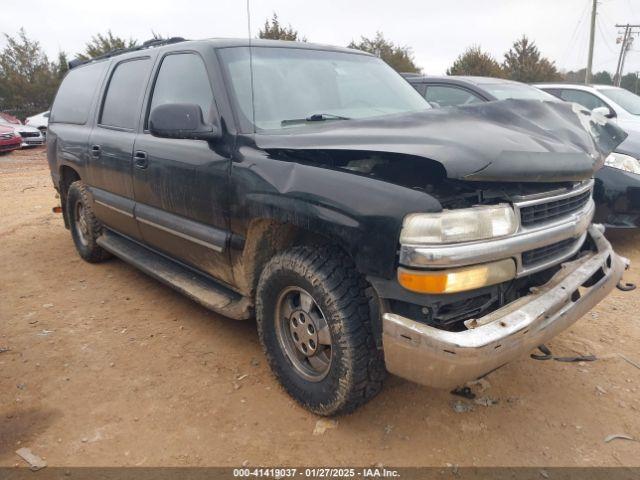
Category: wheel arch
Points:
column 68, row 175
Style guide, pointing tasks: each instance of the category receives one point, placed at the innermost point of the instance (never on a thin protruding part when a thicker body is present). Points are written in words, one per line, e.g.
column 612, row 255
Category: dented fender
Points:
column 364, row 215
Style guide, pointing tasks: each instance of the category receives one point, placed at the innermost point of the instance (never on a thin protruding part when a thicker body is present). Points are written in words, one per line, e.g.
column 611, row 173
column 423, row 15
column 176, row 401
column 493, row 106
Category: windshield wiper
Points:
column 316, row 117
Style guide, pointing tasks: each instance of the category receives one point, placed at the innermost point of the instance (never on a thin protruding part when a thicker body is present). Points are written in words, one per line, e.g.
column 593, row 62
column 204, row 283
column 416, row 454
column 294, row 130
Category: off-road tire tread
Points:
column 94, row 253
column 347, row 294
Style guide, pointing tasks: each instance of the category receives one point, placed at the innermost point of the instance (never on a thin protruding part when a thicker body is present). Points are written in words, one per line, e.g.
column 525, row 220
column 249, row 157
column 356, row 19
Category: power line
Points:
column 575, row 30
column 605, row 39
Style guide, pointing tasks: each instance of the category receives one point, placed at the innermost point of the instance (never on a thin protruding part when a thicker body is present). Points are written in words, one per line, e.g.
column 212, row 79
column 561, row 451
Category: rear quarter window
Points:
column 74, row 97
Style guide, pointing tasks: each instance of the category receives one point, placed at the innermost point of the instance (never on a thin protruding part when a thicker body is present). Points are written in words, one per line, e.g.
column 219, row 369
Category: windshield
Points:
column 627, row 100
column 294, row 87
column 504, row 91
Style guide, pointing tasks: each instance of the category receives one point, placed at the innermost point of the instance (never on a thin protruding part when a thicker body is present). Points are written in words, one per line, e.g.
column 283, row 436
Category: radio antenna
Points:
column 253, row 104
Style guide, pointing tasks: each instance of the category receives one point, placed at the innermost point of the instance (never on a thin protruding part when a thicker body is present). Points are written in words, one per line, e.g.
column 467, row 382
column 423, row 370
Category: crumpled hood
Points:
column 508, row 140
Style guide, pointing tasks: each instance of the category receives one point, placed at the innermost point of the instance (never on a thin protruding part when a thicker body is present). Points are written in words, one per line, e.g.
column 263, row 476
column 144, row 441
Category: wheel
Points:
column 314, row 323
column 85, row 227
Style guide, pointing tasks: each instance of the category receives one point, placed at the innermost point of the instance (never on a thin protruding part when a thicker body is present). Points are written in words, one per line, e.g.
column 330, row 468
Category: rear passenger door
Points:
column 111, row 145
column 181, row 185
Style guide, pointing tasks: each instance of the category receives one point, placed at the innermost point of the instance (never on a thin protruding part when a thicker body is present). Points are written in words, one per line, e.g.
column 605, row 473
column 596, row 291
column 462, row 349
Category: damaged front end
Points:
column 446, row 359
column 511, row 257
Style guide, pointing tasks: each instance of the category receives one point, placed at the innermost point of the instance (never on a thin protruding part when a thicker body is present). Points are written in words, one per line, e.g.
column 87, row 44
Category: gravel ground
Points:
column 107, row 367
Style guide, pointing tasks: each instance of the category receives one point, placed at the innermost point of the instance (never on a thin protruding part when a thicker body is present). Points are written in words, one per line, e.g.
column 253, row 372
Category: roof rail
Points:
column 154, row 42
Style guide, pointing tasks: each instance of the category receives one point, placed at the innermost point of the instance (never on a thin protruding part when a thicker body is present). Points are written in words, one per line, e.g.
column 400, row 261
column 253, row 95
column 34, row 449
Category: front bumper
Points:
column 444, row 359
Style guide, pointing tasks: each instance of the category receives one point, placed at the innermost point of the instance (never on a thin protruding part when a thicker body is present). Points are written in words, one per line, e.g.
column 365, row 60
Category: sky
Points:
column 436, row 30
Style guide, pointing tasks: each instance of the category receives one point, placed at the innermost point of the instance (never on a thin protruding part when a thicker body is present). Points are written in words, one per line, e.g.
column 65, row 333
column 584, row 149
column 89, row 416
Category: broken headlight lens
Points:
column 455, row 226
column 623, row 162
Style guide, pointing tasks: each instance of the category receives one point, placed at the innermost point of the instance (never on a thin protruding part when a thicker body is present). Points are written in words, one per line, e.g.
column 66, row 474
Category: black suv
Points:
column 314, row 188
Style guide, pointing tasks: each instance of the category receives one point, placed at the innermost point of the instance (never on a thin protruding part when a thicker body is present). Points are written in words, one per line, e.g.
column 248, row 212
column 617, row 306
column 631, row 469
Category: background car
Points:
column 9, row 139
column 456, row 91
column 617, row 183
column 31, row 136
column 40, row 121
column 618, row 104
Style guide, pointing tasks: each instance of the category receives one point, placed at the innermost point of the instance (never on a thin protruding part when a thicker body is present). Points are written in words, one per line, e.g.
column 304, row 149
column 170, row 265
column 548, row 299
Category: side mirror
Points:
column 605, row 111
column 180, row 120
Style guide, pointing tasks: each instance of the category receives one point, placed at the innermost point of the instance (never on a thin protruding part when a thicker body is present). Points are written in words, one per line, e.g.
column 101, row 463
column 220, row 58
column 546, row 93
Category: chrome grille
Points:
column 29, row 134
column 544, row 212
column 548, row 252
column 540, row 209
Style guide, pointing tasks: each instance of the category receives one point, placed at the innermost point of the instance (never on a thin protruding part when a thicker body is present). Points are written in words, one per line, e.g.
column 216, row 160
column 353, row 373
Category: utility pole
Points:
column 625, row 46
column 592, row 36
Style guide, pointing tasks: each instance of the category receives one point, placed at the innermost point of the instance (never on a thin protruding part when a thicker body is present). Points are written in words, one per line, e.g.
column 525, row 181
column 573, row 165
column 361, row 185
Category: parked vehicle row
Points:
column 314, row 188
column 30, row 136
column 617, row 184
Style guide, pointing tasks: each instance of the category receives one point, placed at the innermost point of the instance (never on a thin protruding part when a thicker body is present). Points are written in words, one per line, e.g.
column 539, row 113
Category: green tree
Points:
column 630, row 82
column 398, row 57
column 101, row 44
column 473, row 61
column 274, row 31
column 575, row 76
column 602, row 78
column 28, row 81
column 524, row 63
column 62, row 67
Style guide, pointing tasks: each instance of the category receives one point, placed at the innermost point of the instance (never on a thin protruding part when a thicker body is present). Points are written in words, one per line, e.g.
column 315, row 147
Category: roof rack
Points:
column 154, row 42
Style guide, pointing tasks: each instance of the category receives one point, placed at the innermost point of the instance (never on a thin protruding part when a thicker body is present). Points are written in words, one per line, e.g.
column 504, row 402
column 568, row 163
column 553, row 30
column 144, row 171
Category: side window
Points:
column 447, row 96
column 182, row 78
column 76, row 93
column 586, row 99
column 121, row 107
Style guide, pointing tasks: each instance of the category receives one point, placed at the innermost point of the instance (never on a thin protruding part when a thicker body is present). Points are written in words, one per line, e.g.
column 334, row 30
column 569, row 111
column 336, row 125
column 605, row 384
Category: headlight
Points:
column 623, row 162
column 464, row 225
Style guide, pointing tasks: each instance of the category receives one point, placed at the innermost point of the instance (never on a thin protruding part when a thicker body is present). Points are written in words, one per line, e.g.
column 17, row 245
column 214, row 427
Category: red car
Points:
column 9, row 139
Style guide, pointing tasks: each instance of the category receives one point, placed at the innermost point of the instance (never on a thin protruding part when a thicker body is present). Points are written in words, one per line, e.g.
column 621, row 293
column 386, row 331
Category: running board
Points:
column 198, row 287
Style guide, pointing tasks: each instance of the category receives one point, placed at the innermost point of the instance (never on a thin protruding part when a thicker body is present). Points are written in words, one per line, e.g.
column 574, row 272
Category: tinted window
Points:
column 183, row 79
column 121, row 106
column 74, row 96
column 446, row 96
column 586, row 99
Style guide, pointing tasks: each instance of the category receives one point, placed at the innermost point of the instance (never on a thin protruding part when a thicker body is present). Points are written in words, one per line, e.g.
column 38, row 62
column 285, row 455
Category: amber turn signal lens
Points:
column 457, row 279
column 57, row 209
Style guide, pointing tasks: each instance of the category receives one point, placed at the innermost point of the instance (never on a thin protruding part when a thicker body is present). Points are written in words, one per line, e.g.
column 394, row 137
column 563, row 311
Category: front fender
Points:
column 364, row 215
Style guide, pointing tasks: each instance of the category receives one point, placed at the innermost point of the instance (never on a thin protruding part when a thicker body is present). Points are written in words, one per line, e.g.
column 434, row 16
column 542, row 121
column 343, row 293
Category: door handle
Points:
column 95, row 150
column 140, row 159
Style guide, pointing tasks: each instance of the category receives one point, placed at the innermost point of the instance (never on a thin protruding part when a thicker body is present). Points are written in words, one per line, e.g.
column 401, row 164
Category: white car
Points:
column 31, row 136
column 40, row 121
column 618, row 104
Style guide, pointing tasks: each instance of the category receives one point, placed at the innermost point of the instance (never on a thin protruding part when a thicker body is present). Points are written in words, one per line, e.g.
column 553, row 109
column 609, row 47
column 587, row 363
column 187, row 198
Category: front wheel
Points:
column 314, row 324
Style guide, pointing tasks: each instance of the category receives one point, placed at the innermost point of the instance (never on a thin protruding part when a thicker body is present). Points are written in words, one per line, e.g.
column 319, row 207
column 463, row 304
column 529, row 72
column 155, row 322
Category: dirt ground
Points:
column 107, row 367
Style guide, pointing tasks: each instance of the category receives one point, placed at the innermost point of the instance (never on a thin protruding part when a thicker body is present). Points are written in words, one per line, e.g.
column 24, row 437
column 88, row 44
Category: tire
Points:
column 296, row 291
column 85, row 227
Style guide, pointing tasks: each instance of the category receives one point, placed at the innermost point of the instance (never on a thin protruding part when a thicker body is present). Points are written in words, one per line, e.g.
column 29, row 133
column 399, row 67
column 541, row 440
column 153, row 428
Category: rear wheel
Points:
column 314, row 324
column 85, row 227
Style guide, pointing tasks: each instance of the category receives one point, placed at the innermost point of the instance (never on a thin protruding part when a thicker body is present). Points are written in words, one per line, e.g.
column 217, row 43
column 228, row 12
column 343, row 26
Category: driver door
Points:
column 180, row 186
